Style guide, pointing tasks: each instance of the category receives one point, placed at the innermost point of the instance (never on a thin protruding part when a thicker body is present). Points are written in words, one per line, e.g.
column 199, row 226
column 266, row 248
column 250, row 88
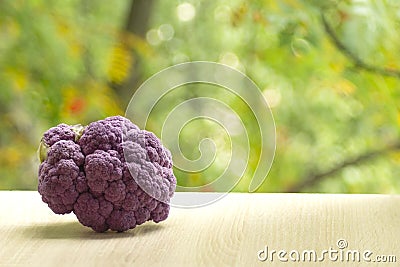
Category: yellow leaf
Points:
column 11, row 156
column 12, row 28
column 19, row 78
column 395, row 156
column 75, row 49
column 62, row 28
column 121, row 63
column 136, row 43
column 344, row 87
column 337, row 67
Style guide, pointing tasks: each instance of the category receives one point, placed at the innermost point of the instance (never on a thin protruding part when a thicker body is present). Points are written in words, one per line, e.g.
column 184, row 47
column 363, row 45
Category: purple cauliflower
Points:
column 111, row 174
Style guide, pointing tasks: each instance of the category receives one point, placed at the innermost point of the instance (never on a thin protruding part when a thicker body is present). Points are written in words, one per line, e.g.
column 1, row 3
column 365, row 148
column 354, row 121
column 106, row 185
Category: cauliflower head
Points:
column 110, row 174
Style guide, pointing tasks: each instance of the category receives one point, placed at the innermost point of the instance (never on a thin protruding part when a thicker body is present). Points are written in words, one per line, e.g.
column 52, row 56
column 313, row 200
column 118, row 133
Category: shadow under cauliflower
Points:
column 111, row 174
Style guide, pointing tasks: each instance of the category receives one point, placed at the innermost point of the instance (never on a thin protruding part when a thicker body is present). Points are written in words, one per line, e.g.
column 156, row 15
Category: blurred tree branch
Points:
column 137, row 25
column 315, row 177
column 85, row 7
column 358, row 62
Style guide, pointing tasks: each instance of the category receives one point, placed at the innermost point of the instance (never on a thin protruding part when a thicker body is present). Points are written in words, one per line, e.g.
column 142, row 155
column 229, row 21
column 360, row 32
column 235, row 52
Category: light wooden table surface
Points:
column 230, row 232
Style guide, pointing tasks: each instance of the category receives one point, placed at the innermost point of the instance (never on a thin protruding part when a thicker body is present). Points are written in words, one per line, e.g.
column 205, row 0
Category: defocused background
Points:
column 330, row 71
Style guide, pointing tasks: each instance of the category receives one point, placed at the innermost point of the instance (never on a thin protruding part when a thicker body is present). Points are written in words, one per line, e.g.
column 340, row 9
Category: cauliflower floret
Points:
column 105, row 134
column 60, row 132
column 57, row 185
column 65, row 150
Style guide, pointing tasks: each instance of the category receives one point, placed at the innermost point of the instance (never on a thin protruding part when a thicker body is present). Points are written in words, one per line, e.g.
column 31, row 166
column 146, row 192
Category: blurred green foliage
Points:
column 57, row 59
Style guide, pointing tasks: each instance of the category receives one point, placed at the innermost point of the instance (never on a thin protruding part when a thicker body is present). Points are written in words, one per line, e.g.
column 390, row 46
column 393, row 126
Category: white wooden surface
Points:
column 227, row 233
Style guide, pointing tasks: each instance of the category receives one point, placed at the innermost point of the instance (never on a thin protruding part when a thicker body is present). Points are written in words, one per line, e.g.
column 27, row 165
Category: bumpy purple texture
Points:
column 60, row 132
column 115, row 176
column 105, row 134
